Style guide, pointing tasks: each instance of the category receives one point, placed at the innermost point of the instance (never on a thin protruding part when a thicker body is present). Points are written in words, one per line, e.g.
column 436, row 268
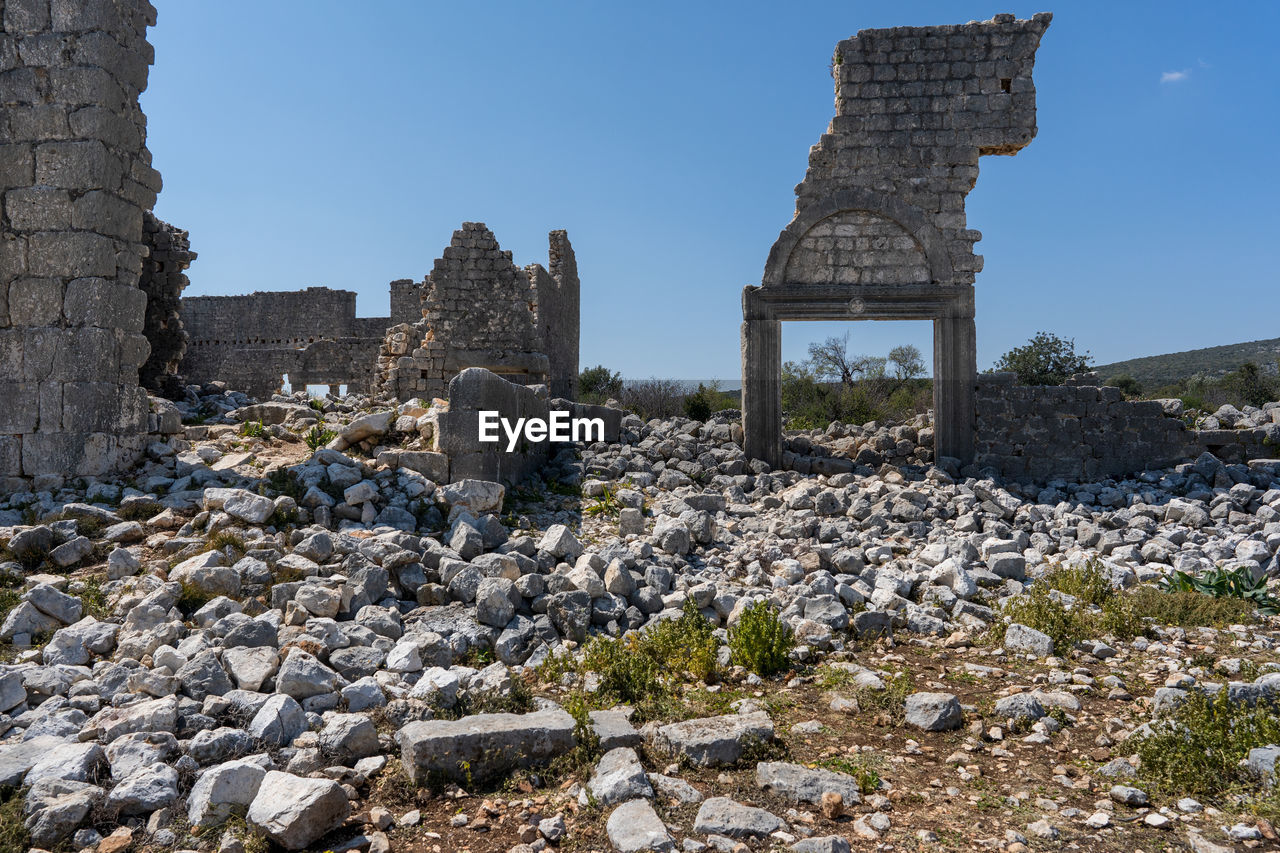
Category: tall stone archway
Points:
column 879, row 231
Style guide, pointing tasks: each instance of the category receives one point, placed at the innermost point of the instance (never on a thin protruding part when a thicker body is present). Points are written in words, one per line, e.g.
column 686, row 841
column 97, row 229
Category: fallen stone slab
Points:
column 723, row 816
column 714, row 741
column 294, row 812
column 933, row 712
column 17, row 759
column 224, row 791
column 804, row 785
column 484, row 744
column 635, row 827
column 1023, row 640
column 614, row 730
column 619, row 778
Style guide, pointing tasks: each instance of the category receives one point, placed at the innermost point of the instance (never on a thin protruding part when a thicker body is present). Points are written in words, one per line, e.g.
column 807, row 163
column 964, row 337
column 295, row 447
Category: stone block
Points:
column 24, row 17
column 483, row 743
column 38, row 208
column 99, row 302
column 51, row 452
column 107, row 214
column 78, row 164
column 21, row 411
column 71, row 254
column 35, row 301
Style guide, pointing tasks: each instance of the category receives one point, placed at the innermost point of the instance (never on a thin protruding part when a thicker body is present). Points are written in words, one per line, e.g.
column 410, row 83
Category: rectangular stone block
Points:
column 71, row 254
column 10, row 455
column 17, row 165
column 13, row 257
column 78, row 164
column 35, row 301
column 38, row 122
column 483, row 744
column 99, row 302
column 90, row 406
column 50, row 407
column 20, row 412
column 22, row 17
column 107, row 214
column 51, row 453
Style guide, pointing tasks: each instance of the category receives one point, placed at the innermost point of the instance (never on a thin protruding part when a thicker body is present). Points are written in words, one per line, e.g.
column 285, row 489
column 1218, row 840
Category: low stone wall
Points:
column 1077, row 432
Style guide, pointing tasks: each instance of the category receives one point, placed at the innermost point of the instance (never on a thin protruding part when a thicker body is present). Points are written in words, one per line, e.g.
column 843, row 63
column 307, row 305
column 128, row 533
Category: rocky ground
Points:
column 247, row 643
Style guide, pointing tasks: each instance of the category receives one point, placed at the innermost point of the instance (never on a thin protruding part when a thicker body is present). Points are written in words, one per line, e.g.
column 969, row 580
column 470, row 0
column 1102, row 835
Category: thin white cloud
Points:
column 1175, row 76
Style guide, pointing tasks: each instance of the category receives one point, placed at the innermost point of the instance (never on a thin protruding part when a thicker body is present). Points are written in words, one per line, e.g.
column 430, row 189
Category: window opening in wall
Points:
column 342, row 390
column 317, row 390
column 284, row 384
column 1006, row 84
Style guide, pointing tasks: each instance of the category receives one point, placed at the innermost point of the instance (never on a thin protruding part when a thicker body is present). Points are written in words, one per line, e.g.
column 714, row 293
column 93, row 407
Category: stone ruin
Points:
column 480, row 310
column 163, row 280
column 77, row 181
column 879, row 231
column 252, row 342
column 475, row 309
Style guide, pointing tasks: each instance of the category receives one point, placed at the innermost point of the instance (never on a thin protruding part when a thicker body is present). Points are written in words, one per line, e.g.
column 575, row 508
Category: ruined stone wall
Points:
column 406, row 301
column 558, row 316
column 252, row 341
column 1038, row 433
column 163, row 280
column 76, row 178
column 915, row 108
column 478, row 310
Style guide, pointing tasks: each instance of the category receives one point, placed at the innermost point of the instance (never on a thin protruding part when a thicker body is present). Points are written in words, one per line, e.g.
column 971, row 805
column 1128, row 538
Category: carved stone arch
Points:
column 914, row 221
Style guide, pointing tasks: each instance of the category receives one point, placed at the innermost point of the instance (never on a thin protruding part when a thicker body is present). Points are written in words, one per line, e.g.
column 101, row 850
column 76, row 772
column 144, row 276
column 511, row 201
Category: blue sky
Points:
column 340, row 144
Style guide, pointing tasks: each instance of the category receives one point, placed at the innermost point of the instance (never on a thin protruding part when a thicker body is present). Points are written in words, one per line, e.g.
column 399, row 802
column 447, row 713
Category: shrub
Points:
column 224, row 539
column 13, row 831
column 605, row 505
column 253, row 429
column 1226, row 583
column 643, row 668
column 1126, row 383
column 1045, row 359
column 654, row 398
column 1189, row 609
column 1197, row 750
column 1040, row 609
column 141, row 510
column 318, row 436
column 192, row 598
column 761, row 641
column 891, row 700
column 1090, row 583
column 316, row 404
column 685, row 645
column 94, row 599
column 597, row 384
column 706, row 401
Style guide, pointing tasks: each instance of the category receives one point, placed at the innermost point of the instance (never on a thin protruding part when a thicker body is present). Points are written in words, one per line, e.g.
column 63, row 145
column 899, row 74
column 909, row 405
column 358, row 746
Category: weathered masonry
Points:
column 251, row 342
column 879, row 231
column 1079, row 431
column 76, row 179
column 479, row 310
column 163, row 280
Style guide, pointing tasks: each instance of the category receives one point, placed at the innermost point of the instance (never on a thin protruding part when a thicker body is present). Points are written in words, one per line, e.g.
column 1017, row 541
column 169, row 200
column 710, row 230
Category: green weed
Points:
column 760, row 641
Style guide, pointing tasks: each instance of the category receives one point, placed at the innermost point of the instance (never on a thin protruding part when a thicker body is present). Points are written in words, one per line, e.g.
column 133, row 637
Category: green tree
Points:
column 1126, row 383
column 830, row 360
column 1046, row 359
column 597, row 384
column 1247, row 385
column 907, row 362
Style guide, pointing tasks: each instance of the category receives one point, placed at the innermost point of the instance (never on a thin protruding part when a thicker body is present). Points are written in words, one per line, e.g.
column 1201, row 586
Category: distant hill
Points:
column 1155, row 371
